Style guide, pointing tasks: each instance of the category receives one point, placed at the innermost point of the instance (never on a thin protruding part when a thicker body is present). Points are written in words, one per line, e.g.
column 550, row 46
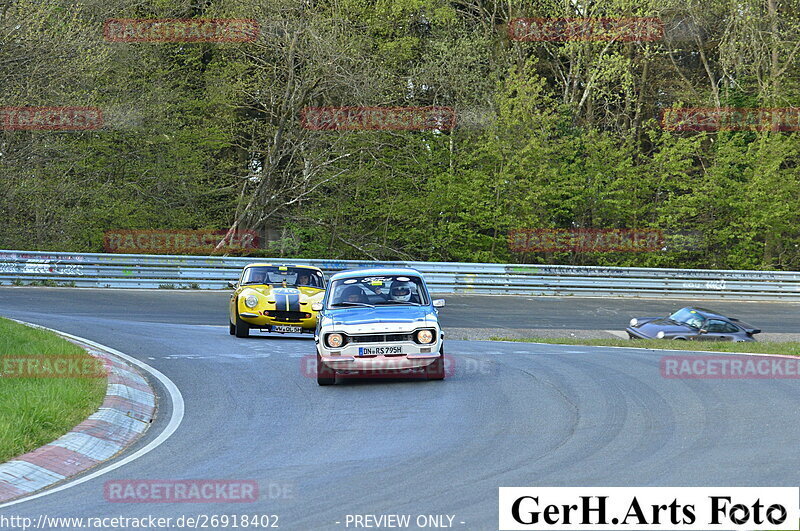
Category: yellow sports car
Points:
column 275, row 298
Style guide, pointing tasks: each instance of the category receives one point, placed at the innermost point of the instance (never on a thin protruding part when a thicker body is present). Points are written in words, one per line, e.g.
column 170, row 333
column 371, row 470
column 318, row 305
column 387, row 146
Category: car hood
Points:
column 380, row 318
column 665, row 325
column 271, row 291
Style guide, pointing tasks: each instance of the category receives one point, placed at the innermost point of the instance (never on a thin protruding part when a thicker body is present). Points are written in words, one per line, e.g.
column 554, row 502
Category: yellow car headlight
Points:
column 251, row 301
column 335, row 340
column 425, row 336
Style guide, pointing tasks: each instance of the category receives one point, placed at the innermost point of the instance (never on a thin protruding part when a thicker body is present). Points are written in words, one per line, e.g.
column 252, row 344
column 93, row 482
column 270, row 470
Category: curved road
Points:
column 513, row 414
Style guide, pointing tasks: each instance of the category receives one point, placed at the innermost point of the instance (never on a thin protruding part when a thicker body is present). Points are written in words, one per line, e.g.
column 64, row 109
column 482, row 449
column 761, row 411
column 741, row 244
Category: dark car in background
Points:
column 692, row 324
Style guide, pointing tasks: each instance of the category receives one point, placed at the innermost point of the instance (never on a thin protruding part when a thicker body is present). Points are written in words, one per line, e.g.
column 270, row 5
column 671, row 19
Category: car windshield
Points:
column 378, row 290
column 277, row 275
column 689, row 317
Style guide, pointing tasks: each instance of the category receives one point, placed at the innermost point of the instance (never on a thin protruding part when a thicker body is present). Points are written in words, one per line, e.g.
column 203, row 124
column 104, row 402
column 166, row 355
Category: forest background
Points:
column 208, row 135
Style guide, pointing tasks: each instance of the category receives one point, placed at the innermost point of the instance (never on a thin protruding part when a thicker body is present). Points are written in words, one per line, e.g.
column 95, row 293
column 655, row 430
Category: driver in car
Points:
column 695, row 321
column 402, row 291
column 258, row 277
column 302, row 279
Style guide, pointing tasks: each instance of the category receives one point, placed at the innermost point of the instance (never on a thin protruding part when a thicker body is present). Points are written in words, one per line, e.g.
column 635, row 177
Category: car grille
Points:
column 381, row 338
column 286, row 316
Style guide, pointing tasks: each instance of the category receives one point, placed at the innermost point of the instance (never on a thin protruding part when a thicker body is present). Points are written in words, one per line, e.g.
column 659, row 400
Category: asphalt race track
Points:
column 512, row 414
column 462, row 311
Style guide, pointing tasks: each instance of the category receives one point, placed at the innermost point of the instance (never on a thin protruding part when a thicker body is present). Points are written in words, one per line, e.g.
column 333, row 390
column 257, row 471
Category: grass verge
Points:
column 37, row 410
column 772, row 347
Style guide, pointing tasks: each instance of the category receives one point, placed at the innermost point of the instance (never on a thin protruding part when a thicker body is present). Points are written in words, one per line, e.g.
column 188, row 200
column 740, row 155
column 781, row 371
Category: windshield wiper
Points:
column 350, row 303
column 390, row 301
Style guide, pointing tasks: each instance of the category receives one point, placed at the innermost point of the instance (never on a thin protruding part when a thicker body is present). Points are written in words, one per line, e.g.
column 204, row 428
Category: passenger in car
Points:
column 354, row 294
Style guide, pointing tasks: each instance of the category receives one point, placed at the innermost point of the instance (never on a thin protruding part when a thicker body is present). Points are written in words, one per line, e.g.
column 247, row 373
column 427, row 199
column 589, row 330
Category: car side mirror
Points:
column 438, row 303
column 316, row 306
column 232, row 284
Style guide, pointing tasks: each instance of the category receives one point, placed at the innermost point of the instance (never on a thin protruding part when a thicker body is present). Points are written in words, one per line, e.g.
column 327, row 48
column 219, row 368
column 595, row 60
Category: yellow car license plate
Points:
column 283, row 328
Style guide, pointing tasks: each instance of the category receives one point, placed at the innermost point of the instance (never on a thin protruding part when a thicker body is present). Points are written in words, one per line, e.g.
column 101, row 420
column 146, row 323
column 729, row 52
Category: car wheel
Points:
column 435, row 371
column 325, row 375
column 232, row 328
column 242, row 328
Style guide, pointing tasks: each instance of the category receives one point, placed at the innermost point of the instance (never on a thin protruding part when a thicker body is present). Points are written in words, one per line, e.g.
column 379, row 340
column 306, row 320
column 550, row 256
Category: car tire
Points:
column 325, row 375
column 232, row 328
column 435, row 371
column 242, row 328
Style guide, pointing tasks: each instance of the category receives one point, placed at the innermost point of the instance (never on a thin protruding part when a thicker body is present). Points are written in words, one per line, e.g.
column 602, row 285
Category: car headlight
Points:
column 634, row 322
column 425, row 336
column 251, row 301
column 335, row 340
column 660, row 335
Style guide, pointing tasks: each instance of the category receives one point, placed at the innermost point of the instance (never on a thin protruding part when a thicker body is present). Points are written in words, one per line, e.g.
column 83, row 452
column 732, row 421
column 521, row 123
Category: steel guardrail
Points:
column 214, row 272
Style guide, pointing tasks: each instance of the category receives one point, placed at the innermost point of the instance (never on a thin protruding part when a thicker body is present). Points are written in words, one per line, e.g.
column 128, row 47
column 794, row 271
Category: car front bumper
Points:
column 348, row 359
column 378, row 364
column 257, row 320
column 633, row 333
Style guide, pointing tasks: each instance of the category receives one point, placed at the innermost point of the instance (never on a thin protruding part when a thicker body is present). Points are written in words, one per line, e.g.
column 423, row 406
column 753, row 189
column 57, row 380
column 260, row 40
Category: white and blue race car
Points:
column 378, row 323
